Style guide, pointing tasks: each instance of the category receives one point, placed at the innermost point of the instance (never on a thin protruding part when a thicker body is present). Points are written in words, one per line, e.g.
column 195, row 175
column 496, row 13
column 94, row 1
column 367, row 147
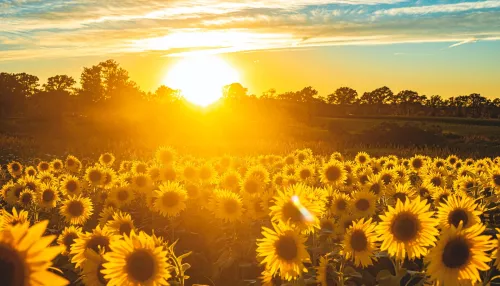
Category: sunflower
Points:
column 333, row 172
column 165, row 155
column 375, row 185
column 407, row 229
column 30, row 171
column 95, row 176
column 168, row 173
column 401, row 174
column 45, row 177
column 141, row 182
column 56, row 165
column 15, row 169
column 193, row 190
column 26, row 198
column 43, row 166
column 425, row 190
column 496, row 253
column 362, row 158
column 105, row 215
column 110, row 178
column 363, row 203
column 494, row 176
column 231, row 180
column 388, row 176
column 452, row 159
column 458, row 209
column 67, row 237
column 91, row 269
column 283, row 251
column 440, row 196
column 227, row 206
column 136, row 260
column 206, row 173
column 189, row 172
column 154, row 173
column 12, row 194
column 170, row 199
column 121, row 223
column 257, row 206
column 260, row 172
column 305, row 173
column 360, row 243
column 339, row 204
column 76, row 209
column 9, row 220
column 29, row 183
column 107, row 159
column 139, row 167
column 417, row 162
column 400, row 192
column 26, row 256
column 122, row 195
column 125, row 167
column 436, row 179
column 459, row 255
column 327, row 226
column 98, row 240
column 252, row 185
column 295, row 206
column 72, row 164
column 71, row 186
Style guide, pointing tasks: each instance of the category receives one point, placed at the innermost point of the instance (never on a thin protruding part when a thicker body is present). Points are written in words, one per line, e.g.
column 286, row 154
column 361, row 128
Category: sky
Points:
column 440, row 47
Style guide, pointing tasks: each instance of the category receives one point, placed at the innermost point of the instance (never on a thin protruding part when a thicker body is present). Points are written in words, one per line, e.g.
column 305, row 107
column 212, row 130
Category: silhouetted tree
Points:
column 343, row 96
column 165, row 94
column 234, row 91
column 59, row 83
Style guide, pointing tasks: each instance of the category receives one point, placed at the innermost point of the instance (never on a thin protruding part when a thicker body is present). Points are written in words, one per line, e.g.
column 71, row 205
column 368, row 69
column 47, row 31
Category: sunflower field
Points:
column 295, row 219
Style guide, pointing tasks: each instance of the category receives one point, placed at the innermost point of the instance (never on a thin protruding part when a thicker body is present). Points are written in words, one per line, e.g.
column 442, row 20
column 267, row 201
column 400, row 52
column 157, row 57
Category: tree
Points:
column 476, row 102
column 166, row 94
column 407, row 99
column 435, row 101
column 106, row 81
column 343, row 96
column 59, row 83
column 269, row 94
column 234, row 91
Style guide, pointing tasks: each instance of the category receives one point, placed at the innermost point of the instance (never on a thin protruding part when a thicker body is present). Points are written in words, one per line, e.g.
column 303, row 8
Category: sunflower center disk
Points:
column 358, row 241
column 399, row 196
column 125, row 227
column 496, row 180
column 75, row 209
column 231, row 206
column 286, row 248
column 11, row 266
column 122, row 195
column 362, row 204
column 141, row 265
column 341, row 205
column 170, row 199
column 332, row 174
column 456, row 253
column 69, row 239
column 375, row 188
column 405, row 227
column 291, row 212
column 456, row 216
column 48, row 195
column 98, row 241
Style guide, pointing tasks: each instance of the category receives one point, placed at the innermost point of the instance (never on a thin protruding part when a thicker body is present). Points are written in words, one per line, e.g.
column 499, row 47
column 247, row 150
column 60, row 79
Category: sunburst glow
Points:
column 201, row 78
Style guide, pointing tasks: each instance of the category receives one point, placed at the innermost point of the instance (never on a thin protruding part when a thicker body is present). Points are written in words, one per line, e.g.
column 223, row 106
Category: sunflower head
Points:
column 68, row 237
column 57, row 165
column 165, row 155
column 72, row 164
column 30, row 171
column 283, row 251
column 333, row 172
column 15, row 169
column 76, row 209
column 70, row 186
column 95, row 176
column 227, row 206
column 107, row 159
column 170, row 199
column 459, row 255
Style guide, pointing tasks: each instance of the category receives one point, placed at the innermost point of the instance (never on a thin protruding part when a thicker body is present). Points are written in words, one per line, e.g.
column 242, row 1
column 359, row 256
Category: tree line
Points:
column 107, row 86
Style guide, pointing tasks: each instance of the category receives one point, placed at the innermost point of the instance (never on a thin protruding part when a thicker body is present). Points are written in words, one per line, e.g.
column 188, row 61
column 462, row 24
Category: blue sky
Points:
column 430, row 40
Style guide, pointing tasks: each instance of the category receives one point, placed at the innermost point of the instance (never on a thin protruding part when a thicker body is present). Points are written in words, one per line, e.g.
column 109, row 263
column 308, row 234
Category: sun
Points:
column 201, row 78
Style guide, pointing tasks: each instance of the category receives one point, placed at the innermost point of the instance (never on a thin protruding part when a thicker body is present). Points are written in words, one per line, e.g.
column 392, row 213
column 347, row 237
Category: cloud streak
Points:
column 57, row 28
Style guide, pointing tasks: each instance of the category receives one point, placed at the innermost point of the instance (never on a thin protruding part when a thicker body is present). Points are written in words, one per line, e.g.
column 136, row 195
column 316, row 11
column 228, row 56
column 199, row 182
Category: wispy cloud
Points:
column 468, row 41
column 441, row 8
column 58, row 28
